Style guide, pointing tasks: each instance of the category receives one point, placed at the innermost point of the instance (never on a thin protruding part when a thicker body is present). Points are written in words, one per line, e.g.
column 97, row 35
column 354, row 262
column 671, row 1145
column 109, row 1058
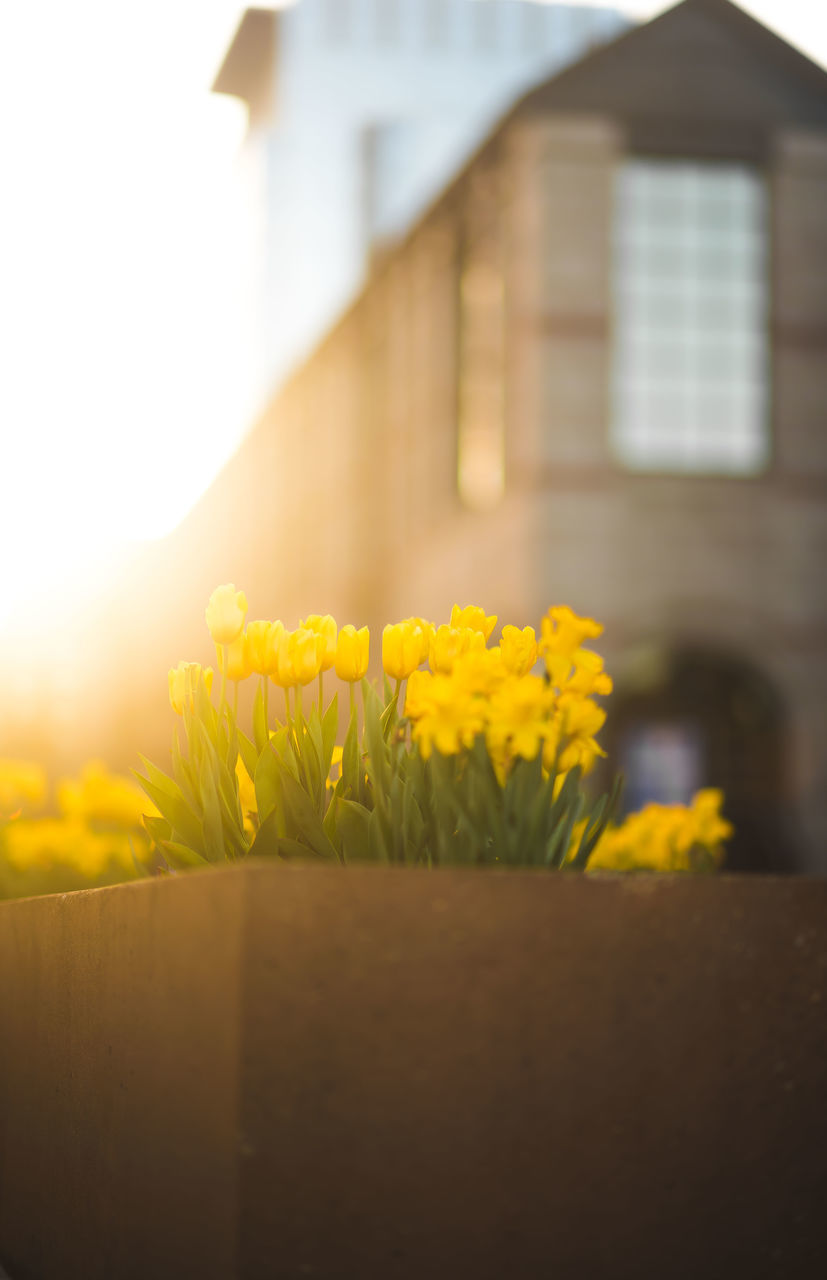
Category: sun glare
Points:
column 122, row 259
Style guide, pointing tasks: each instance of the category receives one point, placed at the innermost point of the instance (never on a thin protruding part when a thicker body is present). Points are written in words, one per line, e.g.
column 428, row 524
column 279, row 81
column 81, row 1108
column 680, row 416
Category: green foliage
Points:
column 390, row 803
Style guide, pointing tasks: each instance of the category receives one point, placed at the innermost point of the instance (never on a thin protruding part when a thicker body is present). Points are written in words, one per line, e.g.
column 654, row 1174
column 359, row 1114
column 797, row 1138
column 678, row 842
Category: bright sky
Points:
column 121, row 276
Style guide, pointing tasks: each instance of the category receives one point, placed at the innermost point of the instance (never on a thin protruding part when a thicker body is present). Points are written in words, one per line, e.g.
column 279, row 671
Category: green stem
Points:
column 266, row 683
column 223, row 661
column 235, row 699
column 321, row 694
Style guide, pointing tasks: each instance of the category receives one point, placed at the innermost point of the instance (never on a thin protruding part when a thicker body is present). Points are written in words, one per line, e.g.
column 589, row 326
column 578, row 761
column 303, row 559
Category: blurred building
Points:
column 593, row 372
column 360, row 111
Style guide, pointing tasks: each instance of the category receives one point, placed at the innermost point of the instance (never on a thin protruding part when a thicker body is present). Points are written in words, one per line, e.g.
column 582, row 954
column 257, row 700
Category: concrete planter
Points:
column 273, row 1071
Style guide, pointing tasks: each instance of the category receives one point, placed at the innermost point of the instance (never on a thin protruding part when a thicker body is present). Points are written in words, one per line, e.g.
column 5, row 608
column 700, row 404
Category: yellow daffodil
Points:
column 352, row 653
column 100, row 796
column 22, row 782
column 183, row 680
column 401, row 649
column 474, row 617
column 563, row 631
column 226, row 613
column 519, row 716
column 445, row 721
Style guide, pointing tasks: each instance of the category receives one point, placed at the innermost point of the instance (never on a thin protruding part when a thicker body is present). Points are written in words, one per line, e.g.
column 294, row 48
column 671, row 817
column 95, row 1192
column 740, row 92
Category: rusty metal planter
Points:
column 292, row 1071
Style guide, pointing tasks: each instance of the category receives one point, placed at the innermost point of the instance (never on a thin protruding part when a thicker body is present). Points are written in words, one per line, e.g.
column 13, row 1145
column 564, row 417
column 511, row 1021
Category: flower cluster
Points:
column 473, row 690
column 666, row 837
column 480, row 758
column 290, row 659
column 97, row 832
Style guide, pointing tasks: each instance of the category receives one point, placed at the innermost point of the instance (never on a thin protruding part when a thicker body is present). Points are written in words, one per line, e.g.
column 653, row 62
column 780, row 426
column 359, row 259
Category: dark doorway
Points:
column 694, row 718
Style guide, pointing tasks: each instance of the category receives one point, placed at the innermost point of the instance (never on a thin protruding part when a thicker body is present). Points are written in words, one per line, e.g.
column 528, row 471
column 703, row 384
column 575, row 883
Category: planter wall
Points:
column 276, row 1071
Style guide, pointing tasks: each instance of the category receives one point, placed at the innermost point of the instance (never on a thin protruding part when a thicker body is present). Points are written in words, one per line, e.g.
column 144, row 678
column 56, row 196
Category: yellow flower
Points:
column 563, row 631
column 238, row 658
column 580, row 672
column 324, row 626
column 21, row 782
column 352, row 652
column 663, row 837
column 304, row 653
column 581, row 720
column 401, row 649
column 518, row 716
column 518, row 649
column 450, row 643
column 262, row 641
column 100, row 796
column 226, row 613
column 183, row 681
column 427, row 628
column 474, row 617
column 444, row 718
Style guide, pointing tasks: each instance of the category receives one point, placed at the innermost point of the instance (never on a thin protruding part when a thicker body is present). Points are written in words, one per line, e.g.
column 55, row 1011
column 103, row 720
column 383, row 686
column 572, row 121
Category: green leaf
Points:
column 602, row 814
column 266, row 780
column 350, row 758
column 302, row 817
column 211, row 824
column 330, row 732
column 266, row 843
column 249, row 754
column 182, row 856
column 170, row 803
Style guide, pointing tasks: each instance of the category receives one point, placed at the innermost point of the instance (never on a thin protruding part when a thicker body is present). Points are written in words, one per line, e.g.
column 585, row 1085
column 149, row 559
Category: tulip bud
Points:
column 262, row 641
column 324, row 626
column 225, row 613
column 401, row 649
column 352, row 651
column 182, row 683
column 305, row 650
column 518, row 649
column 474, row 617
column 449, row 643
column 238, row 664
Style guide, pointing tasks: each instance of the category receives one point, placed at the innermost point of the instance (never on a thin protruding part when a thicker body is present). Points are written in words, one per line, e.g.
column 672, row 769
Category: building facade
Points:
column 360, row 112
column 594, row 373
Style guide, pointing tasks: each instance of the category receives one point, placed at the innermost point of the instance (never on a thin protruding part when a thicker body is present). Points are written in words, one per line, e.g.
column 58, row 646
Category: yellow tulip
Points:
column 183, row 680
column 238, row 658
column 262, row 641
column 401, row 649
column 226, row 613
column 324, row 626
column 352, row 651
column 428, row 629
column 305, row 650
column 450, row 643
column 518, row 649
column 474, row 617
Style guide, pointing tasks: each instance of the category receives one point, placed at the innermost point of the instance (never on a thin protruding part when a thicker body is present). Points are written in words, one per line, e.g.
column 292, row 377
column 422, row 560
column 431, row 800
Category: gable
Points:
column 703, row 76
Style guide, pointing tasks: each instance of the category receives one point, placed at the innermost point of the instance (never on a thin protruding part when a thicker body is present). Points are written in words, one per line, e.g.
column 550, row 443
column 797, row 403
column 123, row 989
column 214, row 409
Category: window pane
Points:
column 690, row 317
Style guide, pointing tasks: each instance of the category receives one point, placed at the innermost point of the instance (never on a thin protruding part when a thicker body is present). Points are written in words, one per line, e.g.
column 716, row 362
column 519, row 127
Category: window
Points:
column 689, row 376
column 481, row 442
